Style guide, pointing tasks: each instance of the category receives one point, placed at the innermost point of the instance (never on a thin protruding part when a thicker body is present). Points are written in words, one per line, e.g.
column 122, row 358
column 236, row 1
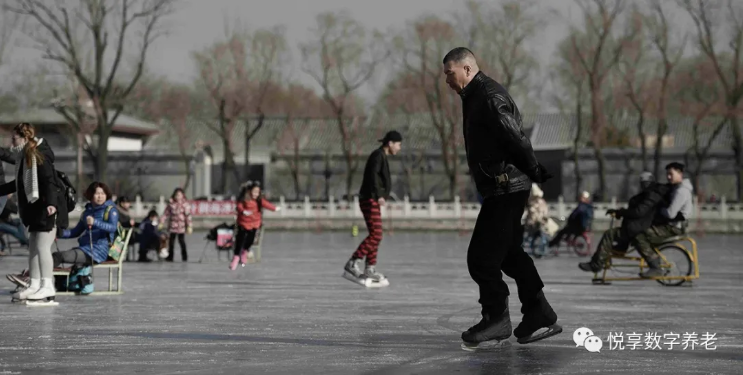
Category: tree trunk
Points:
column 738, row 149
column 187, row 164
column 662, row 126
column 601, row 162
column 80, row 165
column 576, row 147
column 246, row 159
column 230, row 175
column 102, row 157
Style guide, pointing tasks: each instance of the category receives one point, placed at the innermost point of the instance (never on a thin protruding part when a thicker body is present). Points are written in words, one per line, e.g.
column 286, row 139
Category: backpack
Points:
column 69, row 194
column 79, row 281
column 116, row 247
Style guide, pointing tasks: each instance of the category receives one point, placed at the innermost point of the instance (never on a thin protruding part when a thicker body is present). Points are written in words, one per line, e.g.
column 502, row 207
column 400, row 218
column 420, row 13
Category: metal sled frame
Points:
column 256, row 248
column 676, row 241
column 111, row 265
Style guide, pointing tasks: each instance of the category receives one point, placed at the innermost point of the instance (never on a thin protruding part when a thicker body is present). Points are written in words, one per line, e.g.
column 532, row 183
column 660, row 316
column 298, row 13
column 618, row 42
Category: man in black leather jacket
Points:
column 503, row 165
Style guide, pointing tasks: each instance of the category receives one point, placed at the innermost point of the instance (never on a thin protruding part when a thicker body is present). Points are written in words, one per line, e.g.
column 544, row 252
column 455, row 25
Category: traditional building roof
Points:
column 48, row 116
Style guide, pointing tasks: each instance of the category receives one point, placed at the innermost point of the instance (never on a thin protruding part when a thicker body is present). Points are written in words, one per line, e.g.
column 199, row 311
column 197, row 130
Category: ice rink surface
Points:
column 293, row 313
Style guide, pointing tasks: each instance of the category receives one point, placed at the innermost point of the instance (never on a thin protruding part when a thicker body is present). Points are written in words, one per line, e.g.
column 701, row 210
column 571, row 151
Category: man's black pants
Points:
column 496, row 246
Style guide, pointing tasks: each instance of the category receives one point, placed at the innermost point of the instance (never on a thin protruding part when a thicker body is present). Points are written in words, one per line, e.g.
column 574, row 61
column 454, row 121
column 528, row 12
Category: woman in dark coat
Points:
column 38, row 193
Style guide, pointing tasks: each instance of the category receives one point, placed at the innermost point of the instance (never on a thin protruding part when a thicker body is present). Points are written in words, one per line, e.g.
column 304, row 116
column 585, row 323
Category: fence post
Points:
column 457, row 207
column 723, row 207
column 307, row 207
column 331, row 207
column 406, row 206
column 614, row 202
column 431, row 207
column 161, row 205
column 138, row 208
column 282, row 204
column 560, row 207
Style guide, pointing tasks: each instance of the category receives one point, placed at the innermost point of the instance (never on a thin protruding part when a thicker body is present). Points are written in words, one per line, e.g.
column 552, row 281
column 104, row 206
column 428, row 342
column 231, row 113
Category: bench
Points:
column 110, row 264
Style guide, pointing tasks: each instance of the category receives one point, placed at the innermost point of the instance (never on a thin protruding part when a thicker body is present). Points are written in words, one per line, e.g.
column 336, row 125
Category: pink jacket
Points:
column 178, row 216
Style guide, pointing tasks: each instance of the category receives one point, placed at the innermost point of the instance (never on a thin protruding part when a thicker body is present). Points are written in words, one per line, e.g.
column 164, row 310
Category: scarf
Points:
column 30, row 174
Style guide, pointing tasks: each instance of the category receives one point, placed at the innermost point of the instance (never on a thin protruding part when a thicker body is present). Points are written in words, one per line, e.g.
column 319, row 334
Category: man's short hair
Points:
column 458, row 54
column 677, row 166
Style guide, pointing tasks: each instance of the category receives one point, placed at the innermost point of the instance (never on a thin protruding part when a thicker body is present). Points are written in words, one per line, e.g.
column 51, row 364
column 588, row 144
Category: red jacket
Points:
column 248, row 216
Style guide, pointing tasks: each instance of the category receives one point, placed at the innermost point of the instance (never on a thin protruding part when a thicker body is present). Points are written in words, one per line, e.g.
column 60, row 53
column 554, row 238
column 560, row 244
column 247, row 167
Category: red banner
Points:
column 213, row 208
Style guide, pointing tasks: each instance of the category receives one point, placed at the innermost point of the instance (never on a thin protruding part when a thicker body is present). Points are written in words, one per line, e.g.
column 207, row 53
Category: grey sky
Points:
column 199, row 23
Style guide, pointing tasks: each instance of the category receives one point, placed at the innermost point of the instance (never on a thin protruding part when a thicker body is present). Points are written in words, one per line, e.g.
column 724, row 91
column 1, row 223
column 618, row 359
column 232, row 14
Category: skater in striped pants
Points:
column 374, row 189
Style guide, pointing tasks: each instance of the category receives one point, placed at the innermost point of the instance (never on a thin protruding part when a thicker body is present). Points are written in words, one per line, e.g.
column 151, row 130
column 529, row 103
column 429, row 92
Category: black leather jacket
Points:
column 494, row 139
column 377, row 182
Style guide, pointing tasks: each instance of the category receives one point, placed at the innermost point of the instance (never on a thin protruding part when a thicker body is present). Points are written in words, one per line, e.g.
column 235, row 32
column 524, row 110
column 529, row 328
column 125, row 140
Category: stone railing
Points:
column 406, row 209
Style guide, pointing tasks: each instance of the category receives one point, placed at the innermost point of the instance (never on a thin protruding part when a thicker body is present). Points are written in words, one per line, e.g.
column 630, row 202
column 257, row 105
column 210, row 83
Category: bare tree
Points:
column 224, row 76
column 174, row 108
column 341, row 57
column 711, row 19
column 670, row 50
column 499, row 33
column 53, row 30
column 269, row 55
column 598, row 49
column 9, row 23
column 571, row 98
column 420, row 88
column 637, row 82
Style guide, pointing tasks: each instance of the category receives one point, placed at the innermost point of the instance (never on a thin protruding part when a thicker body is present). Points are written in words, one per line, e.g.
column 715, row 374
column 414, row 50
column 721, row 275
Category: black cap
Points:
column 392, row 136
column 677, row 166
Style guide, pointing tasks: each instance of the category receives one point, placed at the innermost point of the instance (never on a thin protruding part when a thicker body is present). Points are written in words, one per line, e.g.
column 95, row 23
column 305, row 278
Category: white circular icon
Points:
column 593, row 344
column 580, row 335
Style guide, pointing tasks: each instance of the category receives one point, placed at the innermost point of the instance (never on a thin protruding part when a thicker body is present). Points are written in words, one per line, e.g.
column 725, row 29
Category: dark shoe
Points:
column 655, row 270
column 589, row 267
column 144, row 260
column 168, row 260
column 536, row 317
column 489, row 328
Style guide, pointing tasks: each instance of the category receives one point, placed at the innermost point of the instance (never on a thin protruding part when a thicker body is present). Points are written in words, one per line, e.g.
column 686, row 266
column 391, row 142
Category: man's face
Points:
column 674, row 176
column 458, row 74
column 395, row 147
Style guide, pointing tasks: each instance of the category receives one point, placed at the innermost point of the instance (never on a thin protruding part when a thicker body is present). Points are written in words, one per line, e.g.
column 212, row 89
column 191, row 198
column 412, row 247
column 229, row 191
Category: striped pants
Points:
column 373, row 218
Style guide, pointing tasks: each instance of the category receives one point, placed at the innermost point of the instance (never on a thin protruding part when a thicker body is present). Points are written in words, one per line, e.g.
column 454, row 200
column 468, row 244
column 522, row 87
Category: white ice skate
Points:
column 22, row 293
column 370, row 278
column 44, row 296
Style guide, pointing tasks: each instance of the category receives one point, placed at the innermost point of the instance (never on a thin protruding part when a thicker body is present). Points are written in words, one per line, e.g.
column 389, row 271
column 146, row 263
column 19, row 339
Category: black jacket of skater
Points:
column 503, row 165
column 375, row 189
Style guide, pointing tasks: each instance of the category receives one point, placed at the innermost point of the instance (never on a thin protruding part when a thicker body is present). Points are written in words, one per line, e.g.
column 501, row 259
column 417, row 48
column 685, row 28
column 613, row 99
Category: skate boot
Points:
column 491, row 332
column 22, row 295
column 244, row 257
column 353, row 269
column 590, row 266
column 44, row 296
column 235, row 260
column 372, row 274
column 655, row 269
column 23, row 279
column 539, row 322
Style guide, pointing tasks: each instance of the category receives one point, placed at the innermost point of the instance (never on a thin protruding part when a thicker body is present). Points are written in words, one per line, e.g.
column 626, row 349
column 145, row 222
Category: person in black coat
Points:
column 637, row 217
column 375, row 188
column 38, row 193
column 502, row 162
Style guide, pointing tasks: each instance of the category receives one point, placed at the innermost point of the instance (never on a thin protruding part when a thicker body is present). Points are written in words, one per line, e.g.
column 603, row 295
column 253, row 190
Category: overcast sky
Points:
column 199, row 23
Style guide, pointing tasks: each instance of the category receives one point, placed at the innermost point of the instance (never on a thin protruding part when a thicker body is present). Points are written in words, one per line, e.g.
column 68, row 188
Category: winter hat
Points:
column 646, row 177
column 585, row 195
column 536, row 191
column 392, row 136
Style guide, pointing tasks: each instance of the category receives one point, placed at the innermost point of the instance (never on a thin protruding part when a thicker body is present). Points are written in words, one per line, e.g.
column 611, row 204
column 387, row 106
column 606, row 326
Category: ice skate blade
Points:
column 18, row 301
column 486, row 346
column 366, row 282
column 551, row 331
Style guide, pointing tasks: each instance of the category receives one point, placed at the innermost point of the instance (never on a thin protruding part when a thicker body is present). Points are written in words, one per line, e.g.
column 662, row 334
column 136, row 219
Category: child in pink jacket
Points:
column 178, row 216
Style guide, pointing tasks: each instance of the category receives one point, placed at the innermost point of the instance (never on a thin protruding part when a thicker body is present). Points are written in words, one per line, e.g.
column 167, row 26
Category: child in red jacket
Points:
column 249, row 220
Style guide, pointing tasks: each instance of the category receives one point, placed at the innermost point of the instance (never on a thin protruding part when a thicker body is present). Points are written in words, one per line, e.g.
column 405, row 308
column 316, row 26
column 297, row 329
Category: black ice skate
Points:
column 539, row 322
column 491, row 333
